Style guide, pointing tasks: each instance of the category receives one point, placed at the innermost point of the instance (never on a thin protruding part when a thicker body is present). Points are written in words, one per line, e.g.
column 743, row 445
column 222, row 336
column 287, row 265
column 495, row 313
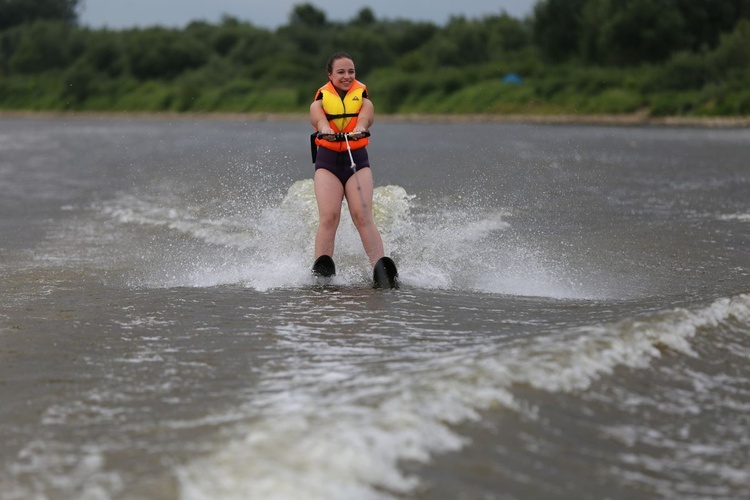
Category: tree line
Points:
column 574, row 56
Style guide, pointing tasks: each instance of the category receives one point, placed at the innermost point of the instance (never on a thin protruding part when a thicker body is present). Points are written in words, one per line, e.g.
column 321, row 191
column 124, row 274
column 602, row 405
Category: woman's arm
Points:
column 366, row 116
column 318, row 118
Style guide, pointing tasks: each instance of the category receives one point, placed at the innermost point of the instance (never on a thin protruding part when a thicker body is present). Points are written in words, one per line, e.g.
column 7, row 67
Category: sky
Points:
column 118, row 14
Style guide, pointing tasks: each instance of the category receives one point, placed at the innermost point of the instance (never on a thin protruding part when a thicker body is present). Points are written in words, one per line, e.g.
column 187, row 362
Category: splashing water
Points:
column 435, row 248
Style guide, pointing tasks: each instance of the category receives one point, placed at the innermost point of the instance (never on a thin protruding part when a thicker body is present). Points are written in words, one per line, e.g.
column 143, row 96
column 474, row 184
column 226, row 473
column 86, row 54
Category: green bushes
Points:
column 687, row 71
column 162, row 53
column 409, row 67
column 17, row 12
column 631, row 32
column 614, row 101
column 39, row 47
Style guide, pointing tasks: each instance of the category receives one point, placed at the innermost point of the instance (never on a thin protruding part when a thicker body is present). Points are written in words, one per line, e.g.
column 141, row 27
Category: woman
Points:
column 342, row 106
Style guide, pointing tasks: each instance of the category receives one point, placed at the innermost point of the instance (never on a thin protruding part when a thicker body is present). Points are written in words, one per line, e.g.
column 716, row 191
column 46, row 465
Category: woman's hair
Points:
column 336, row 56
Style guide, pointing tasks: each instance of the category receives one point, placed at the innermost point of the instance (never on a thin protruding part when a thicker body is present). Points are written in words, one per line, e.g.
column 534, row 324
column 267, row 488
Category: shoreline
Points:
column 561, row 119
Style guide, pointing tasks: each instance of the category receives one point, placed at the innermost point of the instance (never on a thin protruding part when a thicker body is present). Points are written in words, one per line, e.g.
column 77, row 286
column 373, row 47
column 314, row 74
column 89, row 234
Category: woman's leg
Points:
column 359, row 199
column 329, row 194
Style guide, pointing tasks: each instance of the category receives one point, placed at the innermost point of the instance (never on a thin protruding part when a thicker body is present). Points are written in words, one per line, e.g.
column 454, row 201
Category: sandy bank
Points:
column 629, row 119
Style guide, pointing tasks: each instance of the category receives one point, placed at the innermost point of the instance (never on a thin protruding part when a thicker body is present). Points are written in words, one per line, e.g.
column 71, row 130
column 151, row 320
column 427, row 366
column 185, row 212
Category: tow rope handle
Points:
column 339, row 137
column 343, row 136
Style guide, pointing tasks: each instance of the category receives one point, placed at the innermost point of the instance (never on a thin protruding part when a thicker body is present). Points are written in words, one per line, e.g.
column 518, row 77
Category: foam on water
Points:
column 345, row 435
column 739, row 217
column 447, row 248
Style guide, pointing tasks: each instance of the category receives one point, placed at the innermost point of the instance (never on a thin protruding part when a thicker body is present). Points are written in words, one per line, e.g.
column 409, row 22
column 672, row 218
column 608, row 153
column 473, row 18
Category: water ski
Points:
column 324, row 267
column 385, row 275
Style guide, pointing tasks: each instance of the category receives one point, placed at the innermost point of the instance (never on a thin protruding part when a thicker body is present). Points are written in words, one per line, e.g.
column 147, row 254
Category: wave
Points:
column 336, row 427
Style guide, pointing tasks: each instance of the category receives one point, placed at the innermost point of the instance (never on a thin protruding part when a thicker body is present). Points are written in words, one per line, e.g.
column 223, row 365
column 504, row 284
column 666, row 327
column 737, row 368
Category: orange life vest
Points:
column 342, row 113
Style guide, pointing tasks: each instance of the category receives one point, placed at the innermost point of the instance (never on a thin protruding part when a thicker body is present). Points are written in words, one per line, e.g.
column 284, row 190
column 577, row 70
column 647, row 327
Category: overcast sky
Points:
column 118, row 14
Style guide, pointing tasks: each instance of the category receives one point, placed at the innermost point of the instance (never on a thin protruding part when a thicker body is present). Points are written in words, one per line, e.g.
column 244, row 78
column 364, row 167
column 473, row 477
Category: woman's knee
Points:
column 329, row 220
column 361, row 219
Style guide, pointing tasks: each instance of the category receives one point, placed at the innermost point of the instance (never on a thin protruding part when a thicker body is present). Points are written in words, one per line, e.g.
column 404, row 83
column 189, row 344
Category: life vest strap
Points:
column 342, row 115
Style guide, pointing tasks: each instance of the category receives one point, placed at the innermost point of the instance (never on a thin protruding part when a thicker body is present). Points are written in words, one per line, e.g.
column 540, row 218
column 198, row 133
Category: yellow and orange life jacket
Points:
column 342, row 113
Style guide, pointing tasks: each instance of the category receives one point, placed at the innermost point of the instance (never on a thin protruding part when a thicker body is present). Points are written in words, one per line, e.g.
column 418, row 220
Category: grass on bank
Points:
column 547, row 91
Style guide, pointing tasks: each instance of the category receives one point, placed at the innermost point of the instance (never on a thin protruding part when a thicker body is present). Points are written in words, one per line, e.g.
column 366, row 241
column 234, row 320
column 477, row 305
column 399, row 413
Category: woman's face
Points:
column 342, row 75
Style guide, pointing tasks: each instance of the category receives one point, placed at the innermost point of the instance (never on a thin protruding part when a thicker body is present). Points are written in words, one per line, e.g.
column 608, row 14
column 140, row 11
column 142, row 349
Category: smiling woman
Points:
column 342, row 106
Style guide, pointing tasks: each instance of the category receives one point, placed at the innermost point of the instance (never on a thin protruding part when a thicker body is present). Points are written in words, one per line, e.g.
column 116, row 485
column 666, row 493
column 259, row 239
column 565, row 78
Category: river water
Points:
column 573, row 319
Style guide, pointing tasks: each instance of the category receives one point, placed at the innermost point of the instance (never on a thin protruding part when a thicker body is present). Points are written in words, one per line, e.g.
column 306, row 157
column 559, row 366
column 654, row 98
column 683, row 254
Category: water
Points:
column 573, row 321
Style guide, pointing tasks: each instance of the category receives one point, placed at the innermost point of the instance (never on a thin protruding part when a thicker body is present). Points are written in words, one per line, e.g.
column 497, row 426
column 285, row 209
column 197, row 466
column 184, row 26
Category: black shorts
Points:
column 339, row 164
